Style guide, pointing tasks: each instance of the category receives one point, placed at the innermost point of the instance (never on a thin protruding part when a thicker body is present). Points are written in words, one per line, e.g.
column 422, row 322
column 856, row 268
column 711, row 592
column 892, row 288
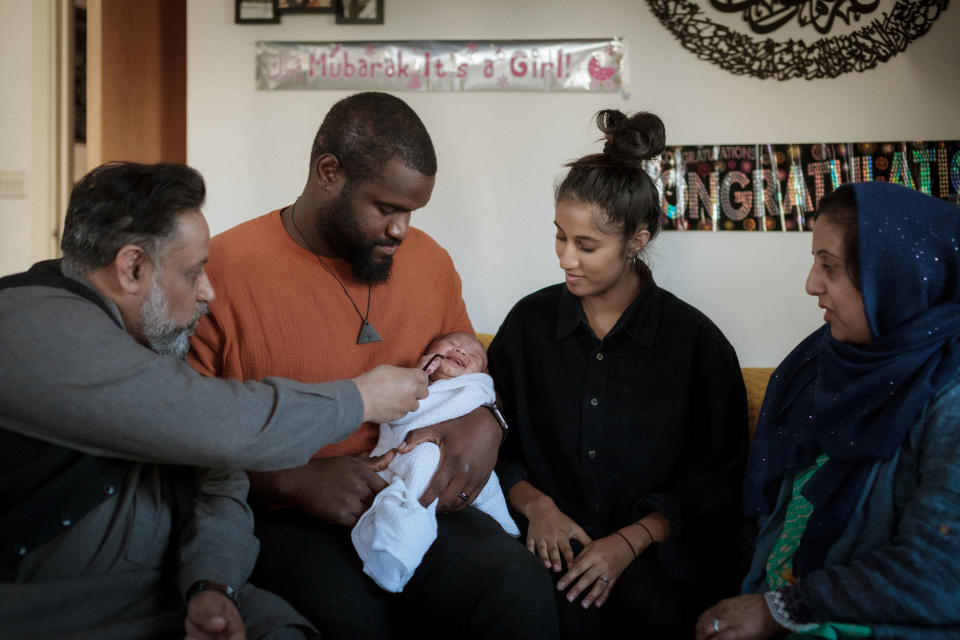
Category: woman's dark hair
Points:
column 840, row 205
column 614, row 181
column 123, row 203
column 367, row 130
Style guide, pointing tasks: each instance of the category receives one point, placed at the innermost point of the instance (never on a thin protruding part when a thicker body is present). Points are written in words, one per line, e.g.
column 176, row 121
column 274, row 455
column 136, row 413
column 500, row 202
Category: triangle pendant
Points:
column 368, row 334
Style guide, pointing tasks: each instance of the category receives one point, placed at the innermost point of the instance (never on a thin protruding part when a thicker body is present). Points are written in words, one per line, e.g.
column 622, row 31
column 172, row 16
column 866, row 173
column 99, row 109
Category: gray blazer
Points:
column 69, row 376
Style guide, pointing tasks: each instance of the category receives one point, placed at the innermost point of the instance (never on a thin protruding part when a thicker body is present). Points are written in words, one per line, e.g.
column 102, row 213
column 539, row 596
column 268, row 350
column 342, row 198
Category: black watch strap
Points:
column 209, row 585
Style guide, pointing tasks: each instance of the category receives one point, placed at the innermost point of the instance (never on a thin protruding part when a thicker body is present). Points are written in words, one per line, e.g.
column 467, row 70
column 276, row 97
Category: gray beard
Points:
column 161, row 333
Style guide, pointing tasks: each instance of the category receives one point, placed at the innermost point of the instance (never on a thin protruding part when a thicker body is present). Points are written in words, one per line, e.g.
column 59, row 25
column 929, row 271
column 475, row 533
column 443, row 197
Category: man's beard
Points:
column 338, row 225
column 162, row 334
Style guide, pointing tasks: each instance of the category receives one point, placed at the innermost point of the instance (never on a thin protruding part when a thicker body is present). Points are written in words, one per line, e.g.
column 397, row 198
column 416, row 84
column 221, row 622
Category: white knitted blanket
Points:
column 393, row 535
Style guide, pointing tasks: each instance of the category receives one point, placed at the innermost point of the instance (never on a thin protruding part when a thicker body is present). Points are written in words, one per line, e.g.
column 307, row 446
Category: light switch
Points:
column 13, row 184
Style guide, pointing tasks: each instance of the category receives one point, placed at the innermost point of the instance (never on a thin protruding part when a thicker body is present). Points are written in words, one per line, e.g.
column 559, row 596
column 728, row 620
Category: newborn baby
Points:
column 393, row 535
column 452, row 355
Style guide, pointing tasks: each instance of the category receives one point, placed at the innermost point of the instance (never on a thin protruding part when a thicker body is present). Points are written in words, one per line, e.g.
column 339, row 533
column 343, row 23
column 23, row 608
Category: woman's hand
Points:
column 595, row 570
column 741, row 618
column 549, row 533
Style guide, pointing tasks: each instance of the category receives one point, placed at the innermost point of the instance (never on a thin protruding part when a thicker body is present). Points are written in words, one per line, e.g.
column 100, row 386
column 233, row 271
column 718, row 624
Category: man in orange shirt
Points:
column 322, row 288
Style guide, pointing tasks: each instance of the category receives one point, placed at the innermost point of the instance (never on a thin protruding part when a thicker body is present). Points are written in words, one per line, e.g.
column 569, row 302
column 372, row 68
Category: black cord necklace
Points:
column 367, row 333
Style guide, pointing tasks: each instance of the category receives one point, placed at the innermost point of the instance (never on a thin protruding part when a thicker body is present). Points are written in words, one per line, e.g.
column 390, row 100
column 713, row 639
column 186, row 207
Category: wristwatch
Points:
column 209, row 585
column 499, row 417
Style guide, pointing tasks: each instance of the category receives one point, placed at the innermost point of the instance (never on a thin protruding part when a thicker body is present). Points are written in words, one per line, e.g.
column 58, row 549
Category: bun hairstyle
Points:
column 631, row 140
column 614, row 181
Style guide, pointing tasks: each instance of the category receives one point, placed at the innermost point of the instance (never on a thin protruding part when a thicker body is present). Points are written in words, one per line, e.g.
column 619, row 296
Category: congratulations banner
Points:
column 444, row 65
column 777, row 187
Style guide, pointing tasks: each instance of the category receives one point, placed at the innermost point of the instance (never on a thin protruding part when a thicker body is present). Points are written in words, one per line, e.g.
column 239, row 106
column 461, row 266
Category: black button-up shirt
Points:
column 651, row 418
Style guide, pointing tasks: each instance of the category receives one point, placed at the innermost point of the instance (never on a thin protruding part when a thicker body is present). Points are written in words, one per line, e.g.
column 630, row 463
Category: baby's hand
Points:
column 430, row 362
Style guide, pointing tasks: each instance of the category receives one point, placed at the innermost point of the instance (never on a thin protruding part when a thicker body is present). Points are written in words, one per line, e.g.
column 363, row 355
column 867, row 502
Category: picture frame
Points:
column 359, row 11
column 307, row 6
column 256, row 12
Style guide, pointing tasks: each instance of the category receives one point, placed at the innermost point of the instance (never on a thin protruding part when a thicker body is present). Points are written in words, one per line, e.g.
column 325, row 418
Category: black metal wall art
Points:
column 882, row 35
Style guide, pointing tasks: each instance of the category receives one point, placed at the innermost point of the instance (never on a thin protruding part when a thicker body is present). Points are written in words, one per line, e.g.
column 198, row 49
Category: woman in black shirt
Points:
column 627, row 412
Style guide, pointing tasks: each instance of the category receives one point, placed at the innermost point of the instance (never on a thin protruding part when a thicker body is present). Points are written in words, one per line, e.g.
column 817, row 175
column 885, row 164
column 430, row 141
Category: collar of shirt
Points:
column 639, row 321
column 69, row 272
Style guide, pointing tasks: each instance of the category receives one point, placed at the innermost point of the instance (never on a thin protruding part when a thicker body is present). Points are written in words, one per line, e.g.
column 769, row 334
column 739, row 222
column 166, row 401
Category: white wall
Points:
column 29, row 36
column 15, row 78
column 500, row 154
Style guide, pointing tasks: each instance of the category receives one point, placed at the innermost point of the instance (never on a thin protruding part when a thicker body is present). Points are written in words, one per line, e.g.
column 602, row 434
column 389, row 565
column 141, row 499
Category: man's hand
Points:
column 390, row 392
column 338, row 490
column 468, row 451
column 211, row 616
column 741, row 618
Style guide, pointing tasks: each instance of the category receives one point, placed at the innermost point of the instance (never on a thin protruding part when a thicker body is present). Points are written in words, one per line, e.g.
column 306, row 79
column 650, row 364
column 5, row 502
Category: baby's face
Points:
column 462, row 353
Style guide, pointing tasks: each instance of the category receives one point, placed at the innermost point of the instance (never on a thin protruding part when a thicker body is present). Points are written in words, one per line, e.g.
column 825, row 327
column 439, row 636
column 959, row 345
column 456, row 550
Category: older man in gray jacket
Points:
column 105, row 529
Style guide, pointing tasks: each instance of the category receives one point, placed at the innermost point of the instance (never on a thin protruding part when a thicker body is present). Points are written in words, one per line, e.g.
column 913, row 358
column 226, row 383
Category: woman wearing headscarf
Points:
column 855, row 468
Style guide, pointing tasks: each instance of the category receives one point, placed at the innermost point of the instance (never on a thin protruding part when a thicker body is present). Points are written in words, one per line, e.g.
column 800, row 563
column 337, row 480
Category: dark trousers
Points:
column 644, row 601
column 474, row 582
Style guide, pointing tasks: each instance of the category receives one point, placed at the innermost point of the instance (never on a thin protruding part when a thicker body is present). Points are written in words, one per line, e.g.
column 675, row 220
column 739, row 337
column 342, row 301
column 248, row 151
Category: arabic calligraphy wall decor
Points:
column 764, row 17
column 775, row 187
column 875, row 35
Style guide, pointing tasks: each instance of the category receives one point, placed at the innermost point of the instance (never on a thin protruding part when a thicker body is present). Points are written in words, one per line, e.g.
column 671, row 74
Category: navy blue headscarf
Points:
column 857, row 403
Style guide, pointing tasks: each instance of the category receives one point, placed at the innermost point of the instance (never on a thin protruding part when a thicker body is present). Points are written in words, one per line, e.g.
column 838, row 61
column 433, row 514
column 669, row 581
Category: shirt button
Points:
column 599, row 356
column 21, row 550
column 594, row 401
column 65, row 520
column 109, row 489
column 592, row 453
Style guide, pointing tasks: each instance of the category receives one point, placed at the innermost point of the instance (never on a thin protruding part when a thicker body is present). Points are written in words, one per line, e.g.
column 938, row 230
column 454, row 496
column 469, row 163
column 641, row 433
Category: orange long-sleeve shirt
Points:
column 278, row 312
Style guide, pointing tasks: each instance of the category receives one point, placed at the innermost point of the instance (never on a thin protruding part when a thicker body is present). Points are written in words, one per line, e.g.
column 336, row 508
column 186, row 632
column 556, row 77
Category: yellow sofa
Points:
column 755, row 379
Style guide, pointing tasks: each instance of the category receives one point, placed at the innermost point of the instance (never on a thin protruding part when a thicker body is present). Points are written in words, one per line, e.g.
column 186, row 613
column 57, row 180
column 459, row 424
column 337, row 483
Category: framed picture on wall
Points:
column 256, row 12
column 359, row 11
column 306, row 6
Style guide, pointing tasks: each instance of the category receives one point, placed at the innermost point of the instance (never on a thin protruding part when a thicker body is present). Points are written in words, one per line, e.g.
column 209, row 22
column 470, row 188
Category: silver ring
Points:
column 463, row 496
column 605, row 579
column 716, row 625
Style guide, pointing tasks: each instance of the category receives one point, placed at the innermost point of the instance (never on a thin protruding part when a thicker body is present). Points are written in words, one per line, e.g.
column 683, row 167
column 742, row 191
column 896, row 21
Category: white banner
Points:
column 444, row 65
